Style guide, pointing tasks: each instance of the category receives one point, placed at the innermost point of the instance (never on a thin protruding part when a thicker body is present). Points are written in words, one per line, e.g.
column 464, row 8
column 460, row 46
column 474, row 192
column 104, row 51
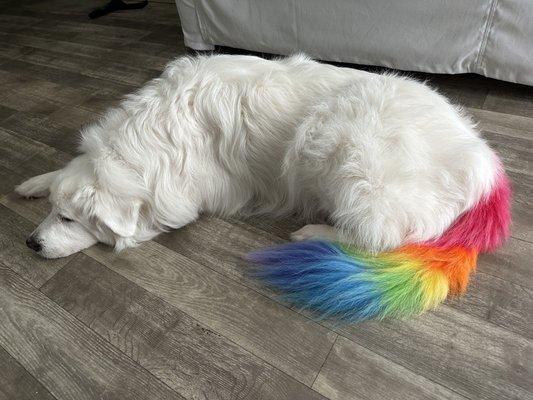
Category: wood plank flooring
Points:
column 177, row 318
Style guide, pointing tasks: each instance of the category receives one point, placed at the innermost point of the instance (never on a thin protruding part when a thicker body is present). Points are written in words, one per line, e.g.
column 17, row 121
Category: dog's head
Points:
column 87, row 207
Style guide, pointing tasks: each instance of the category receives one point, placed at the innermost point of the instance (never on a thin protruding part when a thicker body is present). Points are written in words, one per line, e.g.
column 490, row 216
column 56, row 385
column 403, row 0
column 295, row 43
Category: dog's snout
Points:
column 33, row 243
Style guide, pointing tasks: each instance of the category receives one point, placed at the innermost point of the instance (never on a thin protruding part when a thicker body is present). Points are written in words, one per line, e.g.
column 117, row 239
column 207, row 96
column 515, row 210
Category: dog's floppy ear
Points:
column 120, row 214
column 38, row 186
column 118, row 188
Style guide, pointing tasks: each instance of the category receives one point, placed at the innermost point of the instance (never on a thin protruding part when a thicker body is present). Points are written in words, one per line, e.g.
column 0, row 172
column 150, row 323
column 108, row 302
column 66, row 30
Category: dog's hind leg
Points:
column 315, row 232
column 38, row 186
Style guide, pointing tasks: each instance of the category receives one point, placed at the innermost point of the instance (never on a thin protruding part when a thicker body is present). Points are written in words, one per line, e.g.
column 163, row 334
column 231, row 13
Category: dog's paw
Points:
column 37, row 186
column 314, row 232
column 28, row 190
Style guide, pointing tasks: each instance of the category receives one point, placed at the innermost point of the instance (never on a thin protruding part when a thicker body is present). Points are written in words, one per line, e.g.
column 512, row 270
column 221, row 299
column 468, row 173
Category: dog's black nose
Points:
column 33, row 244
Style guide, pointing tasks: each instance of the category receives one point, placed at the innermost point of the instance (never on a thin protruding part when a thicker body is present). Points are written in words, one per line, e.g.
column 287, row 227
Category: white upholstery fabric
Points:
column 490, row 37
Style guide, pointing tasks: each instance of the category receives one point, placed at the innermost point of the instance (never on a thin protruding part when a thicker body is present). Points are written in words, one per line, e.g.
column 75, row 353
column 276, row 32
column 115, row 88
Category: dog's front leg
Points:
column 38, row 186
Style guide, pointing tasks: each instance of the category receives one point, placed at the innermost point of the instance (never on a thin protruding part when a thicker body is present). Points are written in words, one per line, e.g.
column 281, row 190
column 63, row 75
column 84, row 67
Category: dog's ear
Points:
column 38, row 186
column 119, row 214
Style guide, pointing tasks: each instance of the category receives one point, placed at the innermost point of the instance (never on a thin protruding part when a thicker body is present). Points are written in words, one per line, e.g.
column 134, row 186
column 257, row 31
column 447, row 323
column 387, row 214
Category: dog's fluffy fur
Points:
column 388, row 160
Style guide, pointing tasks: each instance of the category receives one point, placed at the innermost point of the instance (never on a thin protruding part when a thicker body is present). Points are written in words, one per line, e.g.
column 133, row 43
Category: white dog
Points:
column 387, row 159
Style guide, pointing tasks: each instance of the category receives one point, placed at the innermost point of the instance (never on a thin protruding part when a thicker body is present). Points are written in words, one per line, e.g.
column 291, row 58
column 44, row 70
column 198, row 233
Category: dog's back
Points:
column 244, row 112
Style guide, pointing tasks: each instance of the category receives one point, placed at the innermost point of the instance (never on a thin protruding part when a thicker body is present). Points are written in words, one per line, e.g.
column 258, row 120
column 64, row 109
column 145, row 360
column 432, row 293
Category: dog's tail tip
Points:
column 349, row 286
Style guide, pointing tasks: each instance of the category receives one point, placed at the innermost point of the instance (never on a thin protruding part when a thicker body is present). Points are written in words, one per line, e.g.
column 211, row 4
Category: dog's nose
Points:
column 33, row 244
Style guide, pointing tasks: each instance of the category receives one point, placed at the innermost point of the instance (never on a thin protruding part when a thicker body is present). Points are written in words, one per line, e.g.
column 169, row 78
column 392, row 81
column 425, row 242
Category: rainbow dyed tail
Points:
column 339, row 282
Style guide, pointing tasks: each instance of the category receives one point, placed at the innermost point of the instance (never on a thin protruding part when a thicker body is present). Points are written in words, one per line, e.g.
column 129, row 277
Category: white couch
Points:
column 489, row 37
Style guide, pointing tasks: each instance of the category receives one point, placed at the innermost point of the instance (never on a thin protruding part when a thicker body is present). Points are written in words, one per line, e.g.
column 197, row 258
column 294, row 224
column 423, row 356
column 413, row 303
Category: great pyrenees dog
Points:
column 386, row 159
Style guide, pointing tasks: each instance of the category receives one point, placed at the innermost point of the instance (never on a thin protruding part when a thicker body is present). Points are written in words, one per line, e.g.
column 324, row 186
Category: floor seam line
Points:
column 325, row 359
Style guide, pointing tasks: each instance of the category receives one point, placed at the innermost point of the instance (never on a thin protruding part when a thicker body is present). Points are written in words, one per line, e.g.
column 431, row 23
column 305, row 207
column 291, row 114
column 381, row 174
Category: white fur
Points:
column 385, row 158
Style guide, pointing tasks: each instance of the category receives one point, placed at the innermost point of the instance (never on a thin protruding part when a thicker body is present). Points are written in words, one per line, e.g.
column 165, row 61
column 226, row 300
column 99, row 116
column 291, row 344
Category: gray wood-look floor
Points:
column 177, row 318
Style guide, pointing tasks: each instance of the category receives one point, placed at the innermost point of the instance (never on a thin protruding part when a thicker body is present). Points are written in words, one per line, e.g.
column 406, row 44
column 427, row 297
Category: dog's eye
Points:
column 62, row 218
